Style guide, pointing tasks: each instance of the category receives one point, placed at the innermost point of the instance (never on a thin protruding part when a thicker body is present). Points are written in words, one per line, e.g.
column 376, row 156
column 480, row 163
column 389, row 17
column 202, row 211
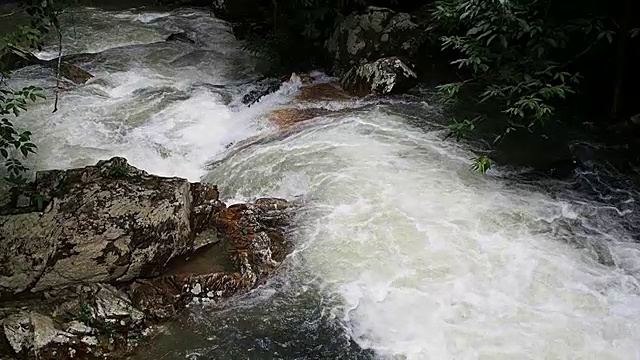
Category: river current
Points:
column 401, row 252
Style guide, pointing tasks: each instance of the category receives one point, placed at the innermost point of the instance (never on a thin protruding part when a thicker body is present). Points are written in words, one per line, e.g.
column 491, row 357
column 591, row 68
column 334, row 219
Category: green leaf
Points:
column 609, row 37
column 481, row 164
column 503, row 41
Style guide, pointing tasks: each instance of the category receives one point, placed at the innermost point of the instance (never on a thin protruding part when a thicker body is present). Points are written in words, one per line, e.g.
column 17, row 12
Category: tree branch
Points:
column 11, row 13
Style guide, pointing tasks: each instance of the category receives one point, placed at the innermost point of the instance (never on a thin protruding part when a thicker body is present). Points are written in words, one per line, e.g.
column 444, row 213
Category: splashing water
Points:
column 401, row 251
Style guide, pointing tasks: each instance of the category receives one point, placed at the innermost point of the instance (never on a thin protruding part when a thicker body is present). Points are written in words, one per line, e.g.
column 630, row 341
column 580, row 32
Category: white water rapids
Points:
column 401, row 252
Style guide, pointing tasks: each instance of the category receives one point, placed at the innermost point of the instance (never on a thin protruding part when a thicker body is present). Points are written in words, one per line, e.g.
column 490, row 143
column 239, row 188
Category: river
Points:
column 401, row 252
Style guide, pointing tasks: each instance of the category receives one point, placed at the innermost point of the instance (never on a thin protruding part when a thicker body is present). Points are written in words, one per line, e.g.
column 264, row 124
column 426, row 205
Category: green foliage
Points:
column 461, row 129
column 84, row 314
column 514, row 58
column 482, row 164
column 507, row 50
column 16, row 47
column 12, row 104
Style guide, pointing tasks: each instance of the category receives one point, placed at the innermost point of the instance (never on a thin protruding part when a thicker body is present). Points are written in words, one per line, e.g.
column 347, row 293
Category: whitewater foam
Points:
column 428, row 260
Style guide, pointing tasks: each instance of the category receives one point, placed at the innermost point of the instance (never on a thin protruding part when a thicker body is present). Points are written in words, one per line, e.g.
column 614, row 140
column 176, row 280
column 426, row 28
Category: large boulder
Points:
column 107, row 223
column 383, row 76
column 376, row 33
column 102, row 321
column 93, row 260
column 94, row 321
column 16, row 58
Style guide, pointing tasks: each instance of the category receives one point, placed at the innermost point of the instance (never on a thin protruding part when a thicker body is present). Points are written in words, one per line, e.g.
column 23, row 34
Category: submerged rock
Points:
column 322, row 92
column 261, row 89
column 110, row 222
column 71, row 72
column 381, row 77
column 291, row 116
column 376, row 33
column 16, row 59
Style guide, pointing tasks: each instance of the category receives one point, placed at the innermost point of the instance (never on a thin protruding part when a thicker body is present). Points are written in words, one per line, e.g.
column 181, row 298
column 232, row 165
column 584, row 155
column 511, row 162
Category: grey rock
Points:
column 31, row 331
column 77, row 328
column 23, row 201
column 113, row 306
column 383, row 76
column 376, row 33
column 110, row 222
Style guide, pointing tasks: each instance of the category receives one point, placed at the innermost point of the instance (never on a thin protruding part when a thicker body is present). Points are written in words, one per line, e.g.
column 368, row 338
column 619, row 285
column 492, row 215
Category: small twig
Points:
column 55, row 105
column 11, row 13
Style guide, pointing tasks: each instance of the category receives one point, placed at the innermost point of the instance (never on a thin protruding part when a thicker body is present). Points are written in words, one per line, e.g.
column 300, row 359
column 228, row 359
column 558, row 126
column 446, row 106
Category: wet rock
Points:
column 291, row 116
column 181, row 37
column 376, row 33
column 18, row 58
column 71, row 72
column 384, row 76
column 254, row 237
column 113, row 223
column 322, row 92
column 205, row 205
column 261, row 89
column 110, row 222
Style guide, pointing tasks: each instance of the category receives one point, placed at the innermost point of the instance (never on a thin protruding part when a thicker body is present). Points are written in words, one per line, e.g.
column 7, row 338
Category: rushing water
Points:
column 400, row 251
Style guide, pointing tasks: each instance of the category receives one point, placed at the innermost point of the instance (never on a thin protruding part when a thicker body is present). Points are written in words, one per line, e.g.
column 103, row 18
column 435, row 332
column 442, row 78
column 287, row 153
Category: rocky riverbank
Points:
column 87, row 257
column 373, row 50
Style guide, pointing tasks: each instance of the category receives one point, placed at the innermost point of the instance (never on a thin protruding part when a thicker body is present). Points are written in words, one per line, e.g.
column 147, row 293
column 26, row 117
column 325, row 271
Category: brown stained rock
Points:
column 106, row 223
column 254, row 235
column 322, row 91
column 288, row 117
column 74, row 73
column 164, row 297
column 308, row 93
column 305, row 78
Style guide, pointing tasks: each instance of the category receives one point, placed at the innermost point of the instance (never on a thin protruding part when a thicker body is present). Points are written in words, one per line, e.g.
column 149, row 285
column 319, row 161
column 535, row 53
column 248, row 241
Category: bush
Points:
column 515, row 59
column 15, row 49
